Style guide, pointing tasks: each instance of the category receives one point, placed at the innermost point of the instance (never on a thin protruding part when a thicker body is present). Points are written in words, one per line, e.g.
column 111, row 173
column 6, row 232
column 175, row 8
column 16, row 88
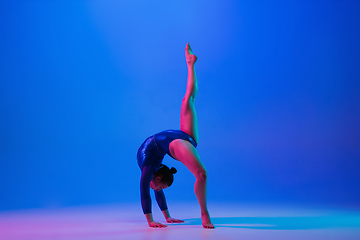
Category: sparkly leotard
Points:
column 149, row 157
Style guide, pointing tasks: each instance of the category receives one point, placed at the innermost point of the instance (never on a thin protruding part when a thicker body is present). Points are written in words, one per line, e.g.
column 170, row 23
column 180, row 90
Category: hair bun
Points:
column 173, row 170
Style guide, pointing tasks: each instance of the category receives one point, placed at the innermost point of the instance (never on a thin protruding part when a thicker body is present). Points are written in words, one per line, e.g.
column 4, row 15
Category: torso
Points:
column 154, row 148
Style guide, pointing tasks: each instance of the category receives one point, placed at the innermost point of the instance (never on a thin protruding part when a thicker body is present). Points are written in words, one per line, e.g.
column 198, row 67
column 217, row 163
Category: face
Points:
column 157, row 185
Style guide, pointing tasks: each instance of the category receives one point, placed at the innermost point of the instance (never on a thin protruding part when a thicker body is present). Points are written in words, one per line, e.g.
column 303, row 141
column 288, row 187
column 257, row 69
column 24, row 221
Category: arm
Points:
column 147, row 174
column 161, row 200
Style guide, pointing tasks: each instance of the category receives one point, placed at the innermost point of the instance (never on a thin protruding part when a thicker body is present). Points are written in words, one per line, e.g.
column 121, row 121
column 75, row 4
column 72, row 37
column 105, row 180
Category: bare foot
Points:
column 206, row 222
column 190, row 57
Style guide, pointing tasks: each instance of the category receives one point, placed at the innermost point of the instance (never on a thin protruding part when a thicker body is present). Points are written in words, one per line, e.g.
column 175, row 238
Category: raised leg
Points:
column 188, row 118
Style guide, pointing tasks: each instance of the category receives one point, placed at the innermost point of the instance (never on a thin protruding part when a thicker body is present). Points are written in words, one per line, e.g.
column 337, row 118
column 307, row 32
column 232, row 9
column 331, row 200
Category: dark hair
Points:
column 166, row 174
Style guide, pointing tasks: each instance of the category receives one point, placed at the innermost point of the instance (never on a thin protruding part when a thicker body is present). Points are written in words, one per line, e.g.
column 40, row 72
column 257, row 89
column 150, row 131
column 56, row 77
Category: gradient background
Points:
column 83, row 83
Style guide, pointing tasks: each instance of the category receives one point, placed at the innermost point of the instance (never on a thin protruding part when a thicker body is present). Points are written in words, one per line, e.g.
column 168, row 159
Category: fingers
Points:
column 169, row 220
column 173, row 220
column 157, row 225
column 160, row 226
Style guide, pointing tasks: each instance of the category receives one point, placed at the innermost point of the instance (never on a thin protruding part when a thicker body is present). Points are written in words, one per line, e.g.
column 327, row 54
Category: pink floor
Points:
column 125, row 221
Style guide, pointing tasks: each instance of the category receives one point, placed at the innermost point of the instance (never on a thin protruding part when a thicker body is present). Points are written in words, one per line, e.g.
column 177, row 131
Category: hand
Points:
column 156, row 225
column 173, row 220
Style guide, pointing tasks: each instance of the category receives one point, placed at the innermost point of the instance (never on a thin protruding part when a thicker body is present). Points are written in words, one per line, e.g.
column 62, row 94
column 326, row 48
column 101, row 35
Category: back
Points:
column 164, row 138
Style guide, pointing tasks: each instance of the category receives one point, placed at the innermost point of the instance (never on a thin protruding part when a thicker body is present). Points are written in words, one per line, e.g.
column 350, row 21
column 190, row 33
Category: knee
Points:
column 201, row 175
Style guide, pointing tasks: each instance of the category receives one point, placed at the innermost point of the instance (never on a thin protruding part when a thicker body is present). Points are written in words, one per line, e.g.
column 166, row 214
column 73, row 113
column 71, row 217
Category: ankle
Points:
column 205, row 214
column 191, row 66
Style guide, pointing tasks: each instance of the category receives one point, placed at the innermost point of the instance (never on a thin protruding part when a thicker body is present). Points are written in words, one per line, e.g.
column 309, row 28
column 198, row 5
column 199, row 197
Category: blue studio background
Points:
column 83, row 83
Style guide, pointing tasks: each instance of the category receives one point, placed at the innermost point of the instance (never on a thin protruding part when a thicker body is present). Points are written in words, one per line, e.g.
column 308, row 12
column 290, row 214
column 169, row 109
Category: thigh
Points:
column 188, row 119
column 186, row 153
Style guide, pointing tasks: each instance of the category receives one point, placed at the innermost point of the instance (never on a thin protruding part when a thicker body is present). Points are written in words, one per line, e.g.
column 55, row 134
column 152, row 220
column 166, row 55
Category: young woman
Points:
column 180, row 145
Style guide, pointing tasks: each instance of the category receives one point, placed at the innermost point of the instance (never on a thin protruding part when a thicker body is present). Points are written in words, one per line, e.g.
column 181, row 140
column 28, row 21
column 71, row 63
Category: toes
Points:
column 188, row 48
column 209, row 226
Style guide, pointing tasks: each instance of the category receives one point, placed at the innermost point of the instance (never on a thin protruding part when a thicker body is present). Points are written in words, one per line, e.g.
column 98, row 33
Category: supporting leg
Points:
column 186, row 153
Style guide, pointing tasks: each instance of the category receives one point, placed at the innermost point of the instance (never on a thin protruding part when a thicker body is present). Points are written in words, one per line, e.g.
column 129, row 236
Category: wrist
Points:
column 149, row 217
column 166, row 214
column 205, row 213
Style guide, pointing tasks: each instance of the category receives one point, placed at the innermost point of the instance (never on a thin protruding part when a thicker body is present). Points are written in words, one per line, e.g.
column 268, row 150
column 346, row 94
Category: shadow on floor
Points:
column 283, row 223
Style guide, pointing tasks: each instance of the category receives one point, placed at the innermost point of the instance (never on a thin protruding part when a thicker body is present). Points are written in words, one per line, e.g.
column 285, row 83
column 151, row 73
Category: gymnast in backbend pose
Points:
column 180, row 145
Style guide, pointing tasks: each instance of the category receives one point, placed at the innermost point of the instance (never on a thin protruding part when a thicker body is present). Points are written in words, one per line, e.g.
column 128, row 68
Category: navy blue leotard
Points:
column 149, row 157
